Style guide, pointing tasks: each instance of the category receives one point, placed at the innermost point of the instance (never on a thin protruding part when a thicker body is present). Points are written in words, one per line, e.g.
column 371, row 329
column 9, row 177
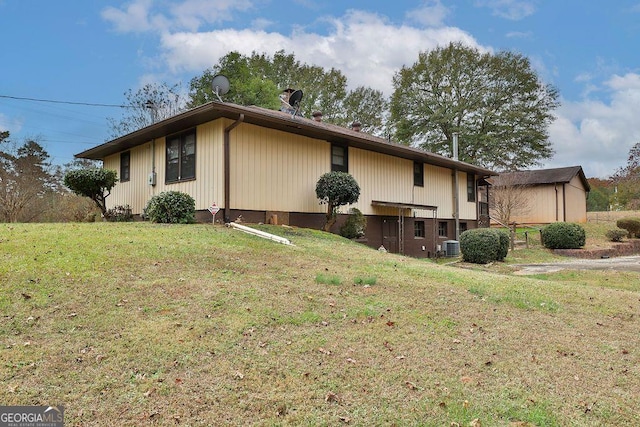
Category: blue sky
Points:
column 92, row 51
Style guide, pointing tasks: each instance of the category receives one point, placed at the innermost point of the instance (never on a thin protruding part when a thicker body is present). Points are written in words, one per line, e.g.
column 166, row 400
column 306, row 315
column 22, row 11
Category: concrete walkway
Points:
column 625, row 263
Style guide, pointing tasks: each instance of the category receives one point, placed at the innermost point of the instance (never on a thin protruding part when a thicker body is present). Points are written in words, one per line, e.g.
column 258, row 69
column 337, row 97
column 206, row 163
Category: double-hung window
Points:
column 471, row 187
column 418, row 174
column 181, row 157
column 125, row 166
column 339, row 158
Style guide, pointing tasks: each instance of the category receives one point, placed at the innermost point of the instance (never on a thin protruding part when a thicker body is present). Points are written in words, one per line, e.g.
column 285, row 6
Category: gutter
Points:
column 227, row 167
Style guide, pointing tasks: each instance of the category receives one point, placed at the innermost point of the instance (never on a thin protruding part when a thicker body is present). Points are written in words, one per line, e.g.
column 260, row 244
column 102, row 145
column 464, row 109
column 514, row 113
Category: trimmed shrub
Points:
column 119, row 213
column 616, row 234
column 171, row 207
column 504, row 239
column 632, row 225
column 355, row 225
column 563, row 235
column 480, row 245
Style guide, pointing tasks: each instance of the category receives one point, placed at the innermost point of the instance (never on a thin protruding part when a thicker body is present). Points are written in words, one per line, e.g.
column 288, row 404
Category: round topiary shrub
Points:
column 355, row 225
column 563, row 235
column 171, row 207
column 480, row 245
column 632, row 225
column 616, row 234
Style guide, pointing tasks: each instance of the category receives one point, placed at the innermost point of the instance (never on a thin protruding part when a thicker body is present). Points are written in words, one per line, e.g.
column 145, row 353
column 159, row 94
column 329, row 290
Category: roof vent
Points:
column 317, row 116
column 355, row 126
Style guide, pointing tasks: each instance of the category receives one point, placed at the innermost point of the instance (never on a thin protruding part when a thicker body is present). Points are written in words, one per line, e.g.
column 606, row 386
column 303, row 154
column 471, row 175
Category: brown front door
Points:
column 390, row 234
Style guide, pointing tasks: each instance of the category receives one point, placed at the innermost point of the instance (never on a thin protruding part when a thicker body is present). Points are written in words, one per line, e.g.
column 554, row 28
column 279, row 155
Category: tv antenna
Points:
column 220, row 85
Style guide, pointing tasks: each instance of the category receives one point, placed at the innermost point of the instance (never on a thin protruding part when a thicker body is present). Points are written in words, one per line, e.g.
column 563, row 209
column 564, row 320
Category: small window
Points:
column 181, row 157
column 442, row 229
column 125, row 166
column 418, row 229
column 339, row 158
column 463, row 227
column 418, row 174
column 471, row 187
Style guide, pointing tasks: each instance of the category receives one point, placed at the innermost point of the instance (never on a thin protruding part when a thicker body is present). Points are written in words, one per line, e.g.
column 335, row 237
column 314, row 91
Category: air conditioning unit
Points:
column 451, row 248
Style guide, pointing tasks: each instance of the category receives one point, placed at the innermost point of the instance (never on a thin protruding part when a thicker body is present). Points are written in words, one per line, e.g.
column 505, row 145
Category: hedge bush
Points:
column 563, row 235
column 632, row 225
column 616, row 234
column 119, row 213
column 503, row 250
column 171, row 207
column 483, row 245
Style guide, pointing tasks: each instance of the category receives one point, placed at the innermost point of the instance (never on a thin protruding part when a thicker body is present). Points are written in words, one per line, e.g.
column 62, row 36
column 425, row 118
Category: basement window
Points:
column 181, row 157
column 442, row 229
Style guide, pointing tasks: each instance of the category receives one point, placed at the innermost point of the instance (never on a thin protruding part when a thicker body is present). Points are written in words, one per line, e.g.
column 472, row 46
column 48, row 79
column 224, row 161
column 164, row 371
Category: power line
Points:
column 88, row 104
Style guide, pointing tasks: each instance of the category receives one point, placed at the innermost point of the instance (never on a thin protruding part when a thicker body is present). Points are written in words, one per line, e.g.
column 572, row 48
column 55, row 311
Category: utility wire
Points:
column 89, row 104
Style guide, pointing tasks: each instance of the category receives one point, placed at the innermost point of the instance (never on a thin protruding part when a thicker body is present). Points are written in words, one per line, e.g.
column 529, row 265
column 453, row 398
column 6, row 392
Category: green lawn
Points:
column 143, row 324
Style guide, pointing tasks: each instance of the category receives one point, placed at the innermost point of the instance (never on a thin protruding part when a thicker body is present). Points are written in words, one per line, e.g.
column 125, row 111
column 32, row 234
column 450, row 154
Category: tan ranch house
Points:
column 552, row 195
column 263, row 165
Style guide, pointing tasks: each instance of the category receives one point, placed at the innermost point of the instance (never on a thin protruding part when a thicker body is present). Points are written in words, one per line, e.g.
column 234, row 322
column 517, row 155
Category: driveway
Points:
column 625, row 263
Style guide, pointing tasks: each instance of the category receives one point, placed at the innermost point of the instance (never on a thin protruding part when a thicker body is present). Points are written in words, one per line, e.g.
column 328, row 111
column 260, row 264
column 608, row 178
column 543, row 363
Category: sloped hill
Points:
column 144, row 324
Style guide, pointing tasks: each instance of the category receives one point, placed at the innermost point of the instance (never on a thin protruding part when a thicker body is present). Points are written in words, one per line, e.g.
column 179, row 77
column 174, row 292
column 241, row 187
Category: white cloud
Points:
column 598, row 135
column 13, row 125
column 353, row 45
column 510, row 9
column 519, row 35
column 431, row 13
column 134, row 18
column 144, row 15
column 191, row 14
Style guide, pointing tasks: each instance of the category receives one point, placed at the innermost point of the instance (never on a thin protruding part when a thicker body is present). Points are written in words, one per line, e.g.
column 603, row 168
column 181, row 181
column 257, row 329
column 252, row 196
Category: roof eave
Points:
column 275, row 120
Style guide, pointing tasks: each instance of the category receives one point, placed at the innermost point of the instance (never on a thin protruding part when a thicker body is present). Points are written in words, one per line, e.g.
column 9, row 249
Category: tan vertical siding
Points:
column 576, row 201
column 381, row 177
column 208, row 187
column 438, row 185
column 134, row 192
column 274, row 170
column 544, row 205
column 468, row 209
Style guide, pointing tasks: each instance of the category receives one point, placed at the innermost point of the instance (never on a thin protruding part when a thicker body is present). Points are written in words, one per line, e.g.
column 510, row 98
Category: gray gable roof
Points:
column 541, row 177
column 280, row 121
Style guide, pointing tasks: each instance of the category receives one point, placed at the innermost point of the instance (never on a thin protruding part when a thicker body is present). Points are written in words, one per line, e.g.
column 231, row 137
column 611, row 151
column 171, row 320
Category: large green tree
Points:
column 495, row 102
column 259, row 79
column 26, row 178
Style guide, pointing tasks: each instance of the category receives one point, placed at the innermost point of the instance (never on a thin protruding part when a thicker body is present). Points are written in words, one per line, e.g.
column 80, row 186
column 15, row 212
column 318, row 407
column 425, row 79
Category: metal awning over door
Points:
column 401, row 207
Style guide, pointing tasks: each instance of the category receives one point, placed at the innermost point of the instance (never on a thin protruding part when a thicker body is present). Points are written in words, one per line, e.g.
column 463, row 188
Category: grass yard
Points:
column 138, row 324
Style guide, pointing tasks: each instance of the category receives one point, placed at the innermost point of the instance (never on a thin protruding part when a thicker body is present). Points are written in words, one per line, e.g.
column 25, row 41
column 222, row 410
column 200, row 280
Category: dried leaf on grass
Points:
column 331, row 397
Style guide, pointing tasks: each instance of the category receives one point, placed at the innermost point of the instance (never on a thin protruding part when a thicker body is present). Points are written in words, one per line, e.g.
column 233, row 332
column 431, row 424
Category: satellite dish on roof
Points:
column 220, row 85
column 294, row 101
